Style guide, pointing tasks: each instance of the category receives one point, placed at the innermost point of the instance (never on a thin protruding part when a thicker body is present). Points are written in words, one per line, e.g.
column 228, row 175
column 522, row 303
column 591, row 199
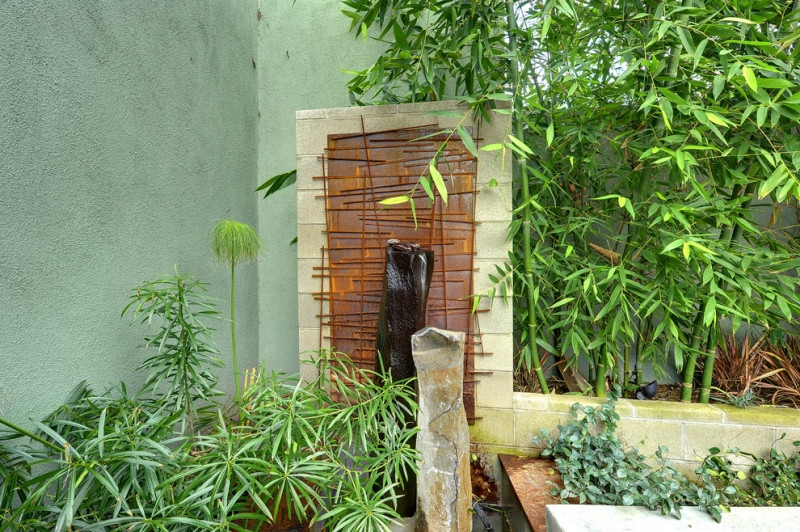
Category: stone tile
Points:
column 563, row 403
column 495, row 426
column 674, row 410
column 762, row 415
column 500, row 349
column 648, row 434
column 495, row 390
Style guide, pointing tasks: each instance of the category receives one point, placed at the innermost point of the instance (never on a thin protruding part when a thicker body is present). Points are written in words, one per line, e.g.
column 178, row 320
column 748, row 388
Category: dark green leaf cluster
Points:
column 771, row 481
column 180, row 370
column 596, row 468
column 119, row 462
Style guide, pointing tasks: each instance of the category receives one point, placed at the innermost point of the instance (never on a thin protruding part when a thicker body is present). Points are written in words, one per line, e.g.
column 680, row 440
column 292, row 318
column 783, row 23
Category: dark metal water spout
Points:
column 403, row 305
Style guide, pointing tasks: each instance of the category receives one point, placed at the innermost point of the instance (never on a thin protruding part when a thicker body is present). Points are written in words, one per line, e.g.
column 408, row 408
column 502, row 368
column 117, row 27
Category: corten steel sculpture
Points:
column 406, row 285
column 358, row 171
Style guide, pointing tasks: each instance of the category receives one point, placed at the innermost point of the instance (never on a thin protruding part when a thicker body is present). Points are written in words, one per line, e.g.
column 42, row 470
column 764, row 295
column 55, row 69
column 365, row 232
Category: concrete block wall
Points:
column 492, row 212
column 688, row 430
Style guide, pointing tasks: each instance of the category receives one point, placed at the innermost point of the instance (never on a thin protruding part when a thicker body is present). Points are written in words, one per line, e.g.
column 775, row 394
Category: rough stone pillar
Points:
column 444, row 491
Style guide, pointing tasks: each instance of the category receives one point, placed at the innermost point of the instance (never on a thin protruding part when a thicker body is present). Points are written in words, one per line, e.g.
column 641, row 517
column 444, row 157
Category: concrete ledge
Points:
column 585, row 518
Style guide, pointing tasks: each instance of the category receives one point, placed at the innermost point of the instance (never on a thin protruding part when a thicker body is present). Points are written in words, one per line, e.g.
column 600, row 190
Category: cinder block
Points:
column 311, row 207
column 500, row 349
column 308, row 308
column 309, row 114
column 309, row 342
column 529, row 424
column 310, row 240
column 563, row 403
column 309, row 166
column 702, row 436
column 490, row 240
column 531, row 402
column 498, row 319
column 495, row 426
column 674, row 410
column 648, row 434
column 359, row 111
column 482, row 283
column 400, row 121
column 495, row 165
column 495, row 390
column 308, row 371
column 493, row 205
column 785, row 444
column 762, row 415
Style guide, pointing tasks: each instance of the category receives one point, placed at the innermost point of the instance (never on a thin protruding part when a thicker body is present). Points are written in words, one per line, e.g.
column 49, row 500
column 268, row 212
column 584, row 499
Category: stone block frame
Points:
column 492, row 217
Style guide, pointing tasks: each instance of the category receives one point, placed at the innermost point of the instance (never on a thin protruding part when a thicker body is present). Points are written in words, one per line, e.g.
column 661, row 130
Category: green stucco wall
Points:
column 127, row 129
column 303, row 49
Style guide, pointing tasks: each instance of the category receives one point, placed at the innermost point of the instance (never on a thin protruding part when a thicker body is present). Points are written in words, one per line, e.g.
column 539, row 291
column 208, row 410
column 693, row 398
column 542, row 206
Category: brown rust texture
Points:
column 360, row 171
column 532, row 479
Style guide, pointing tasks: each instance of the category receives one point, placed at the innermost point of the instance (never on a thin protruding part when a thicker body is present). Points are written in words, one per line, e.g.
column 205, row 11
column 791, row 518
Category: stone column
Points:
column 444, row 491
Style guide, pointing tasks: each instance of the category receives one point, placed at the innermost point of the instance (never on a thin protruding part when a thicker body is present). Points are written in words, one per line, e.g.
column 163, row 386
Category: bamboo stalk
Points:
column 526, row 212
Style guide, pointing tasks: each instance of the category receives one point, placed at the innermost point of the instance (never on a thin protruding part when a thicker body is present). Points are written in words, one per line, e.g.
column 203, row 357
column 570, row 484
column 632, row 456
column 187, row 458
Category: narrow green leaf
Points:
column 550, row 133
column 466, row 138
column 521, row 145
column 395, row 200
column 438, row 182
column 710, row 313
column 718, row 86
column 750, row 79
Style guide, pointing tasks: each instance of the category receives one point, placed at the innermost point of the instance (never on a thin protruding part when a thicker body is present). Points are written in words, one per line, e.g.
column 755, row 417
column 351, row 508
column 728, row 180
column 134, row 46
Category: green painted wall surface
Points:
column 303, row 49
column 127, row 129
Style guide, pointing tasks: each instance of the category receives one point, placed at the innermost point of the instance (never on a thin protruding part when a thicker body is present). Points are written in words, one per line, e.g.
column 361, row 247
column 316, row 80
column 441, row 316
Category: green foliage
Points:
column 114, row 462
column 771, row 481
column 596, row 468
column 234, row 242
column 180, row 371
column 652, row 133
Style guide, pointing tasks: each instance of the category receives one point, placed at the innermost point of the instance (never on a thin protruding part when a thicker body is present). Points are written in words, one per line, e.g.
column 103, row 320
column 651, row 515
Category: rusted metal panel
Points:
column 359, row 170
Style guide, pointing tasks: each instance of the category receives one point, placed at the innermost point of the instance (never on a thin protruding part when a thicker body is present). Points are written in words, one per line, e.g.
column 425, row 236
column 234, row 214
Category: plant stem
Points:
column 600, row 378
column 233, row 340
column 31, row 435
column 526, row 212
column 708, row 371
column 698, row 334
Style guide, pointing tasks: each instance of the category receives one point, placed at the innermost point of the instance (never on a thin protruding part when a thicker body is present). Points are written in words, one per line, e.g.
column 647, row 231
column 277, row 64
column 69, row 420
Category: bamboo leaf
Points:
column 549, row 133
column 521, row 145
column 438, row 182
column 750, row 79
column 395, row 200
column 466, row 138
